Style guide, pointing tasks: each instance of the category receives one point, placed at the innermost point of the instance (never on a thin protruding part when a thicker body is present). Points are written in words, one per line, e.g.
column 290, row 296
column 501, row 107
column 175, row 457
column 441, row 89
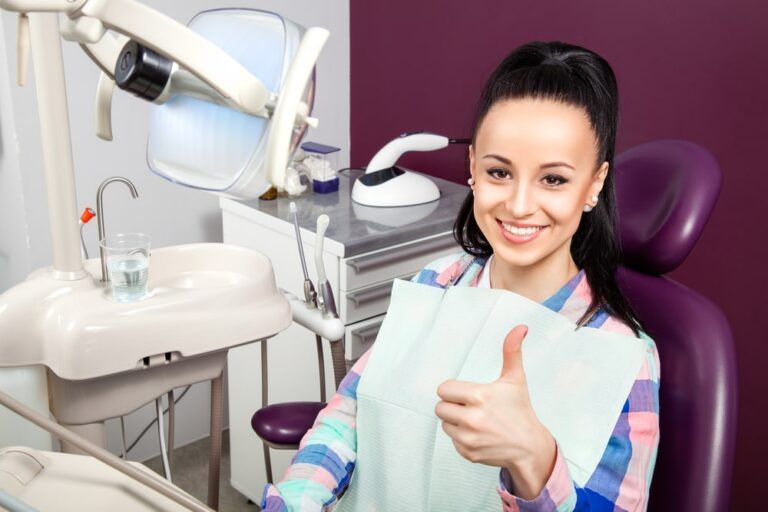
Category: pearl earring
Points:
column 471, row 181
column 588, row 207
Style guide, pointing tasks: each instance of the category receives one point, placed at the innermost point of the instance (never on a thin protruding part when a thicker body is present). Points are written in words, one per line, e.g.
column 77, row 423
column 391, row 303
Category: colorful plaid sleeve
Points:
column 622, row 479
column 323, row 465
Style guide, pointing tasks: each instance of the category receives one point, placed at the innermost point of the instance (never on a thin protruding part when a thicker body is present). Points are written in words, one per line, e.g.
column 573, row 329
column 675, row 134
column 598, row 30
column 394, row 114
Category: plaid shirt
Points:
column 323, row 465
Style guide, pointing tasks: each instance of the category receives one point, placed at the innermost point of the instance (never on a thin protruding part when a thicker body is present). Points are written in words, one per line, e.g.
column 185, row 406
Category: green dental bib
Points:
column 578, row 382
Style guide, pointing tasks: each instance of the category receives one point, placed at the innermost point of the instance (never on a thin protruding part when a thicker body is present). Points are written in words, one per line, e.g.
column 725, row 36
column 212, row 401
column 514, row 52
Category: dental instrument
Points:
column 326, row 302
column 384, row 184
column 310, row 295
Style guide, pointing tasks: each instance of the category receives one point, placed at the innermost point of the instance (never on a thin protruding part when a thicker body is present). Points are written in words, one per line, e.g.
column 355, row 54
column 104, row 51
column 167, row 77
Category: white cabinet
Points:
column 361, row 284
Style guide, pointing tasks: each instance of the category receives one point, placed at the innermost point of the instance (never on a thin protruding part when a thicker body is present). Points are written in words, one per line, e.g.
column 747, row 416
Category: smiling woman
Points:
column 540, row 223
column 541, row 156
column 533, row 167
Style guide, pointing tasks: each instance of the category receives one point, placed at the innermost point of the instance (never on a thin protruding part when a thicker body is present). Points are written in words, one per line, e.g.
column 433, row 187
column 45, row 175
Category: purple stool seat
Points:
column 285, row 423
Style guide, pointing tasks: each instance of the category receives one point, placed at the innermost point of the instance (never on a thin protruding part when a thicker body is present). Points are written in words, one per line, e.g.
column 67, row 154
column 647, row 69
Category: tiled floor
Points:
column 189, row 470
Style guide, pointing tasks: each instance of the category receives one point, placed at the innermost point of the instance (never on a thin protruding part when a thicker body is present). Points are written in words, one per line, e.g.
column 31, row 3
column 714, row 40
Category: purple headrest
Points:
column 665, row 193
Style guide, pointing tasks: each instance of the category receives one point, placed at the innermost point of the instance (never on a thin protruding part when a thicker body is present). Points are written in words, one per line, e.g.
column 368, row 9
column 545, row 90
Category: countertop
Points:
column 358, row 229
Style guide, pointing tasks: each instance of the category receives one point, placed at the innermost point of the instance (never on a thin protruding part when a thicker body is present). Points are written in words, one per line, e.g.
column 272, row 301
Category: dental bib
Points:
column 578, row 382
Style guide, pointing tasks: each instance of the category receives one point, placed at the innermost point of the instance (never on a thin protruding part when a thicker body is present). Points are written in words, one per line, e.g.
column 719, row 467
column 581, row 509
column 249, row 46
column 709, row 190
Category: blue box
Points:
column 325, row 187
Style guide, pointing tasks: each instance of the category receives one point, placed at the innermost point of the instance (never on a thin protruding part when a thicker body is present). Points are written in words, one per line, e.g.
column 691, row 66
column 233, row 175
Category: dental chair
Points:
column 666, row 191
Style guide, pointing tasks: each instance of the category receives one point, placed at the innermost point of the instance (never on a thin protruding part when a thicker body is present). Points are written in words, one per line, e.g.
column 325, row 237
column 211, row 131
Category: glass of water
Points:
column 127, row 257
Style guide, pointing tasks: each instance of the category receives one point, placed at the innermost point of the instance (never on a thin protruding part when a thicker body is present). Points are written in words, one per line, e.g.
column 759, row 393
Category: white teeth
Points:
column 521, row 231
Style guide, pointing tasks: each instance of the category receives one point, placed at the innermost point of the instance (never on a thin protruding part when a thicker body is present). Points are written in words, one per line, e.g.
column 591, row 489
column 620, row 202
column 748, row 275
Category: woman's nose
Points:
column 521, row 202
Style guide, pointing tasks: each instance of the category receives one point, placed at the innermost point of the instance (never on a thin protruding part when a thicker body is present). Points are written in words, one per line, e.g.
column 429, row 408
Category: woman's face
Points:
column 534, row 166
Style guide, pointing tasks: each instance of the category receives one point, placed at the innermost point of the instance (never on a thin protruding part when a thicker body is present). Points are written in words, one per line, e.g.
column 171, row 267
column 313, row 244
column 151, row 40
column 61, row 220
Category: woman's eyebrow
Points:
column 557, row 164
column 545, row 166
column 499, row 158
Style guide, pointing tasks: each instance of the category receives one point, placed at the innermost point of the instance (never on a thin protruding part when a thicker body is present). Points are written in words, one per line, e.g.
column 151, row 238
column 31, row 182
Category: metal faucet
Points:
column 100, row 217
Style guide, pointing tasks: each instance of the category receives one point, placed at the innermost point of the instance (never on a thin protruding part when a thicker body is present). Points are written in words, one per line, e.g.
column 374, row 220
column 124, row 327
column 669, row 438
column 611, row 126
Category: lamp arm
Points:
column 166, row 36
column 105, row 52
column 178, row 43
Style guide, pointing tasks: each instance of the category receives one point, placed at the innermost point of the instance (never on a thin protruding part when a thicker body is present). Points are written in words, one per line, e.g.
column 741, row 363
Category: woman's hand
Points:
column 494, row 424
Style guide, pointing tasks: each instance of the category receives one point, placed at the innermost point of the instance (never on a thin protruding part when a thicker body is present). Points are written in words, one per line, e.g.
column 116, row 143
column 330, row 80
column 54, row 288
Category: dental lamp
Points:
column 162, row 61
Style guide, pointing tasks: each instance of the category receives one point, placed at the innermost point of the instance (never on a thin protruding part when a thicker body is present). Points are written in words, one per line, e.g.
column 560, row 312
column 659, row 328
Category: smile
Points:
column 521, row 231
column 519, row 235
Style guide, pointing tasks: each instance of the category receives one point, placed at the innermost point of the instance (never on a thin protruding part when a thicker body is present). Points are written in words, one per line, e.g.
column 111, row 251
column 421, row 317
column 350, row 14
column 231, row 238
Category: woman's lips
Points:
column 518, row 239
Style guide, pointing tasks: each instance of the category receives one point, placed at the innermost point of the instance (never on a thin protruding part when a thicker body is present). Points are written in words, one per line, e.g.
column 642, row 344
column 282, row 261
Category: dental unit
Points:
column 105, row 359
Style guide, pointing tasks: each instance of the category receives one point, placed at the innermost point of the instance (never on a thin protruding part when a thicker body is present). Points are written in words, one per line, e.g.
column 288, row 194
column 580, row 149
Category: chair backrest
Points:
column 665, row 192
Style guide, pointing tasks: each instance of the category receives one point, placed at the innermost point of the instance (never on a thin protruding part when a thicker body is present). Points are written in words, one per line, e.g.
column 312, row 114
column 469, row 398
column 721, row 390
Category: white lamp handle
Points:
column 104, row 93
column 389, row 154
column 287, row 108
column 22, row 49
column 105, row 53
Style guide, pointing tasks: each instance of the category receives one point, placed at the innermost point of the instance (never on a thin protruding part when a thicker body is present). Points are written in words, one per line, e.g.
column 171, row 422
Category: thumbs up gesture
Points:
column 494, row 424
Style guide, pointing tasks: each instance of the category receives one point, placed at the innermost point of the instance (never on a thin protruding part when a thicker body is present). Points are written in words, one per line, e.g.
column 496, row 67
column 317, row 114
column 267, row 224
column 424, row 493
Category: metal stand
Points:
column 214, row 460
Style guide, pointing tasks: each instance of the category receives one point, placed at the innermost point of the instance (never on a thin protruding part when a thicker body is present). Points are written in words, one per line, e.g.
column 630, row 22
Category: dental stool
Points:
column 665, row 192
column 281, row 426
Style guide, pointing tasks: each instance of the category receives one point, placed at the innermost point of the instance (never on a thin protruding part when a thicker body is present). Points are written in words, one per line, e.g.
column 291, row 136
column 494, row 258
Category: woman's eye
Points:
column 554, row 181
column 498, row 173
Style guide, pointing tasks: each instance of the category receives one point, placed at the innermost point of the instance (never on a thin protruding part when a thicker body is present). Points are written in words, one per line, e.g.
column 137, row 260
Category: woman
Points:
column 538, row 222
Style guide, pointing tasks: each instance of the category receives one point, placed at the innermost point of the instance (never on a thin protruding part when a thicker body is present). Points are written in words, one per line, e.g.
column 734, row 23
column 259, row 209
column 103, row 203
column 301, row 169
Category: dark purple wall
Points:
column 689, row 69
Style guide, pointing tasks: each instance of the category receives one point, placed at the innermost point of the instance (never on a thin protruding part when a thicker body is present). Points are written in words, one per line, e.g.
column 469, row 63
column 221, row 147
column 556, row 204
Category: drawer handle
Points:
column 400, row 253
column 366, row 333
column 373, row 293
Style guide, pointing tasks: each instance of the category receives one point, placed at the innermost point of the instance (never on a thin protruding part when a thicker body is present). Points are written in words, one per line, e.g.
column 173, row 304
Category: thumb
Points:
column 512, row 362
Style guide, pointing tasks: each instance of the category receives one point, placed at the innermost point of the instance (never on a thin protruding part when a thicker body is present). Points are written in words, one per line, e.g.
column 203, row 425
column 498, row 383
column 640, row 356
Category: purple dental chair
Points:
column 665, row 193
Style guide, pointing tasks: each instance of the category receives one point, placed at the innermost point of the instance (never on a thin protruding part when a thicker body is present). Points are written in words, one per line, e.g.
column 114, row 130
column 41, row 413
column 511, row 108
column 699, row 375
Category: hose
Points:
column 339, row 363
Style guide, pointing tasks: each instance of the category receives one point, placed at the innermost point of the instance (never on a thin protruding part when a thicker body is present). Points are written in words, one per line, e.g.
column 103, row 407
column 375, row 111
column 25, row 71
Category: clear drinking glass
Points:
column 127, row 265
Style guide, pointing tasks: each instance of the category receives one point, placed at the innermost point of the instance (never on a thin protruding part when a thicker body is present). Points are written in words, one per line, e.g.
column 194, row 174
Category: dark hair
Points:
column 579, row 77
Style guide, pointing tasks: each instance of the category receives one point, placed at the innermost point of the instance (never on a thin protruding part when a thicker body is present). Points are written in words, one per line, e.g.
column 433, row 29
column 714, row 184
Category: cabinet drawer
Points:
column 367, row 302
column 359, row 337
column 406, row 259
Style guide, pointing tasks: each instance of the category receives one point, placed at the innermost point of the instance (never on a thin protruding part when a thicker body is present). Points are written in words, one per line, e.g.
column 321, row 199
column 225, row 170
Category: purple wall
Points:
column 691, row 69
